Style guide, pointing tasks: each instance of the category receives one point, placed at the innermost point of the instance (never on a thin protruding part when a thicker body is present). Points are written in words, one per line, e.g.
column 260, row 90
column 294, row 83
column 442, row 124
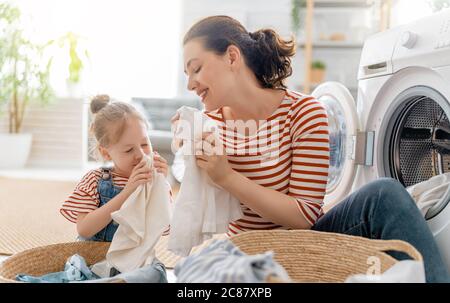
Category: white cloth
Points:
column 142, row 219
column 429, row 192
column 201, row 208
column 102, row 269
column 407, row 271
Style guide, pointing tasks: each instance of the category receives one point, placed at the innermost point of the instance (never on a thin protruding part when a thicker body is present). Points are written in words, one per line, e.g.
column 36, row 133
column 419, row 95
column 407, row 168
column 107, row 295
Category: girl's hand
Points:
column 141, row 174
column 160, row 164
column 176, row 143
column 212, row 158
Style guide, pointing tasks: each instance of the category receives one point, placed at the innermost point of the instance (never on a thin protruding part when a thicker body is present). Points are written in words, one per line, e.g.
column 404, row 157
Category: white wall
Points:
column 57, row 134
column 342, row 64
column 253, row 14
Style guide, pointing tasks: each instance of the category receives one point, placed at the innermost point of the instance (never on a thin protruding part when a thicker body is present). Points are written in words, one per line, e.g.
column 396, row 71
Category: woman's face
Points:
column 209, row 75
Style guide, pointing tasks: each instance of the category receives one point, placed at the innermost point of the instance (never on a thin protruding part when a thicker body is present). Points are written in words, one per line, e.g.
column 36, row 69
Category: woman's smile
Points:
column 203, row 94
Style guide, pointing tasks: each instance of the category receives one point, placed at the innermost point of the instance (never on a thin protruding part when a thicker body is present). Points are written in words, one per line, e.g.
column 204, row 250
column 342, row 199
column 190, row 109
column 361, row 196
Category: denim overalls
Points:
column 156, row 272
column 106, row 191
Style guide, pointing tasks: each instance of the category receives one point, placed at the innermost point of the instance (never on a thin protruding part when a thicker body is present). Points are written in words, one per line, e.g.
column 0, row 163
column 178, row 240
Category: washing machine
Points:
column 399, row 125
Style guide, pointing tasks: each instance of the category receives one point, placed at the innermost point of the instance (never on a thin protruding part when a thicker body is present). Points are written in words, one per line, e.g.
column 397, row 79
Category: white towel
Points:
column 142, row 219
column 429, row 192
column 201, row 208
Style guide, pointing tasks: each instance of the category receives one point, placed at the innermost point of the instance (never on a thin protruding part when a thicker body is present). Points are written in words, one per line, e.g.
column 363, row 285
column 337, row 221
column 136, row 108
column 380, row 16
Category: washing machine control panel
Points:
column 444, row 35
column 408, row 39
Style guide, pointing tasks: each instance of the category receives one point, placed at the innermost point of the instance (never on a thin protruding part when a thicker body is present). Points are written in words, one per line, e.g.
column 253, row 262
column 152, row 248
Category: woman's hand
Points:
column 212, row 158
column 160, row 164
column 141, row 174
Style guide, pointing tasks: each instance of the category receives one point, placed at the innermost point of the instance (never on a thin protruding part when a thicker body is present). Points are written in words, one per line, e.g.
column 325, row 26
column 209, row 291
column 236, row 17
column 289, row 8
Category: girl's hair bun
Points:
column 98, row 102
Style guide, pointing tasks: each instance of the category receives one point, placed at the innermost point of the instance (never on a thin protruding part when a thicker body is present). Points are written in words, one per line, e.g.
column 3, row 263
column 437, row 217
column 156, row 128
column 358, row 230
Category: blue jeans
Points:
column 383, row 209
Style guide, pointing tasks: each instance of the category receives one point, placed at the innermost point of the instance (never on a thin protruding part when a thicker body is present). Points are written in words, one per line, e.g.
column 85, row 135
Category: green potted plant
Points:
column 24, row 77
column 437, row 5
column 317, row 71
column 296, row 22
column 77, row 57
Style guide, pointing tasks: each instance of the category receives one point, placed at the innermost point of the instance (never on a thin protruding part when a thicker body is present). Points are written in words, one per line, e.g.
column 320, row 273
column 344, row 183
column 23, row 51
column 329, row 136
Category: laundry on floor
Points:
column 142, row 219
column 429, row 192
column 77, row 271
column 201, row 208
column 223, row 262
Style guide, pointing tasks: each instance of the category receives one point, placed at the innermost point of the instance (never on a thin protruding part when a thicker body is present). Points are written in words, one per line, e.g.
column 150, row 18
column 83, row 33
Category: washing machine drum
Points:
column 418, row 142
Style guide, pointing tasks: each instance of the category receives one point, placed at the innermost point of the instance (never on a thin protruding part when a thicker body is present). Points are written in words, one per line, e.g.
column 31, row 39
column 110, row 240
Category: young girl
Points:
column 121, row 134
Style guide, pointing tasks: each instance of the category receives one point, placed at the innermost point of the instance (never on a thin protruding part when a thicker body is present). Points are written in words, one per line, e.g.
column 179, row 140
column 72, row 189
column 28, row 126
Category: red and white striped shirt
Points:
column 85, row 198
column 289, row 153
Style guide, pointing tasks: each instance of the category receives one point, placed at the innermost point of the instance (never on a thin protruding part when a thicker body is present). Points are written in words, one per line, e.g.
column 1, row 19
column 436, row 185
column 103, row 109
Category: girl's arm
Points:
column 88, row 224
column 91, row 223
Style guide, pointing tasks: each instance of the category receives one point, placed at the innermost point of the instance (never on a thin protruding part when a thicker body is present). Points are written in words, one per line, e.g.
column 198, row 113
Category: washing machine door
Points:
column 343, row 127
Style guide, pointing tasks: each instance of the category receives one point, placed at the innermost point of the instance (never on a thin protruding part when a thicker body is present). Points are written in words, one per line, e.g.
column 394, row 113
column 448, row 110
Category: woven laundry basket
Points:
column 308, row 256
column 52, row 258
column 312, row 256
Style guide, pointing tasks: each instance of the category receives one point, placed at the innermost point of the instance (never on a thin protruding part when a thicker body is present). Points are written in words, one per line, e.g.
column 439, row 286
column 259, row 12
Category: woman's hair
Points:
column 110, row 119
column 264, row 51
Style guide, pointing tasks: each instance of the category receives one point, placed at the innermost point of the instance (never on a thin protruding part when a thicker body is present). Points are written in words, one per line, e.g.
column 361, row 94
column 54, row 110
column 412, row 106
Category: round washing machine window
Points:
column 337, row 136
column 416, row 142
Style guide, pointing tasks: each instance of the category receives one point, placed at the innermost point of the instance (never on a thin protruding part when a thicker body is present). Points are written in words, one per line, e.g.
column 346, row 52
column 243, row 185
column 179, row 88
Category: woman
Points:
column 276, row 144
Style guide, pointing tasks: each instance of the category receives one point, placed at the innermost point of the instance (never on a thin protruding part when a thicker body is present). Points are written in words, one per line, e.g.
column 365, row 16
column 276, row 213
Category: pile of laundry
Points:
column 77, row 271
column 223, row 262
column 428, row 193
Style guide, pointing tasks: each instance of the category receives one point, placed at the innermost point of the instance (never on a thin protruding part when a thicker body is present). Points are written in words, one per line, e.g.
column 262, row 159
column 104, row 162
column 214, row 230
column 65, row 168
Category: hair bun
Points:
column 99, row 102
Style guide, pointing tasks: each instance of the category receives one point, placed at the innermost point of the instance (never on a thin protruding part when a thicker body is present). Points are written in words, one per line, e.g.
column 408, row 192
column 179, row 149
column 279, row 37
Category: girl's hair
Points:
column 110, row 119
column 264, row 51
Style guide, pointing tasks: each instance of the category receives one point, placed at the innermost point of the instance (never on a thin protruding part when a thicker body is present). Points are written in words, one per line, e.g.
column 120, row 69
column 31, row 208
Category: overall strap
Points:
column 106, row 173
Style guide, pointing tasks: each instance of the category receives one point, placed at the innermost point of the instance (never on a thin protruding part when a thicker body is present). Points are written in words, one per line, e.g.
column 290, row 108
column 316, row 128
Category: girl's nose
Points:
column 139, row 154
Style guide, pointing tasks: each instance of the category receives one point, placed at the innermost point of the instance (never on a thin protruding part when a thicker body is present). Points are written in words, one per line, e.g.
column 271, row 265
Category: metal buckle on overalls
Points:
column 106, row 174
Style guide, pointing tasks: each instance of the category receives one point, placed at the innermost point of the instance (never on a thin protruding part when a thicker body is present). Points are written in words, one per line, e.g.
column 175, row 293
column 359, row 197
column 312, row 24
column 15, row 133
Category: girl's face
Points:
column 209, row 75
column 130, row 149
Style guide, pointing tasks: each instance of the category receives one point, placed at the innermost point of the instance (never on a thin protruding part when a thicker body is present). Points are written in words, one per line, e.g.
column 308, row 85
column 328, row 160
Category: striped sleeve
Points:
column 310, row 157
column 84, row 198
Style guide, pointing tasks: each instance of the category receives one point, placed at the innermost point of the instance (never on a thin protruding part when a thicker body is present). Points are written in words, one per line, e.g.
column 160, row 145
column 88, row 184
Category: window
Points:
column 133, row 45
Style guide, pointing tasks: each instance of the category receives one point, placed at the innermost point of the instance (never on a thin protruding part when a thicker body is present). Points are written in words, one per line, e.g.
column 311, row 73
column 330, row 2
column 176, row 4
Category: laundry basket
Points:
column 312, row 256
column 308, row 256
column 52, row 258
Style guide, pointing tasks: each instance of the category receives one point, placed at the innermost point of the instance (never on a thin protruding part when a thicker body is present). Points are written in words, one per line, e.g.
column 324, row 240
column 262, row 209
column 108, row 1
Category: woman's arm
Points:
column 301, row 207
column 270, row 204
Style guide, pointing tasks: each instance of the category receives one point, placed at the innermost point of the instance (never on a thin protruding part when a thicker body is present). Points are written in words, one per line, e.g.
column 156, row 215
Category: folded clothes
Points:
column 223, row 262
